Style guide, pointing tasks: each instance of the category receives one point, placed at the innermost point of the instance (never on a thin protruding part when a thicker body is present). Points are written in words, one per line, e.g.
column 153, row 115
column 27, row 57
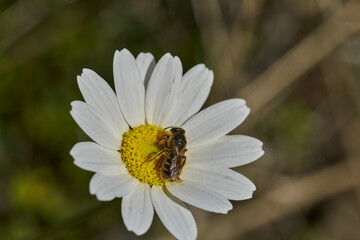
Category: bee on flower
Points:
column 153, row 148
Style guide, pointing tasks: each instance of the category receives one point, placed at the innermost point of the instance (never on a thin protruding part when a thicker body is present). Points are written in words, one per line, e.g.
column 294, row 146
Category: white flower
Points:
column 128, row 126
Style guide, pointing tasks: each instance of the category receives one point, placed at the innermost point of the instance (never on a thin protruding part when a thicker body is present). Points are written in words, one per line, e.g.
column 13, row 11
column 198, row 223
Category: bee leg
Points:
column 182, row 163
column 159, row 163
column 166, row 141
column 157, row 156
column 183, row 160
column 163, row 142
column 178, row 180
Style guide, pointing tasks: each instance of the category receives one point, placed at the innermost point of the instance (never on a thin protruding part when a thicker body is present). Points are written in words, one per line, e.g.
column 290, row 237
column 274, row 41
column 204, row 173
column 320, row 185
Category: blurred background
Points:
column 297, row 63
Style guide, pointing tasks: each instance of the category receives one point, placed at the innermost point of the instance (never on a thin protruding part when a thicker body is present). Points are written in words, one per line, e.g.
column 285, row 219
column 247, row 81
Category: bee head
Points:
column 177, row 130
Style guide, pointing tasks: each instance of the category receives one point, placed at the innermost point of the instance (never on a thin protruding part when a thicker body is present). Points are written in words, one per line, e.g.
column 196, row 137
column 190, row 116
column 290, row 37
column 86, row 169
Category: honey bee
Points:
column 175, row 147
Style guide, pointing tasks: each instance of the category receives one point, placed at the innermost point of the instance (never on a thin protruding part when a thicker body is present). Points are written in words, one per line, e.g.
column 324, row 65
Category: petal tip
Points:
column 76, row 163
column 87, row 71
column 261, row 153
column 124, row 51
column 73, row 150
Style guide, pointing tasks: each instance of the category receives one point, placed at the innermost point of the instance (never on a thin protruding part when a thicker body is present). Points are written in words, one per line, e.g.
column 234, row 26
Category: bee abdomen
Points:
column 165, row 171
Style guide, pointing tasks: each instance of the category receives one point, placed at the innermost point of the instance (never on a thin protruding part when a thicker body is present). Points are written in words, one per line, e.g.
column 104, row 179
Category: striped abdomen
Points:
column 171, row 167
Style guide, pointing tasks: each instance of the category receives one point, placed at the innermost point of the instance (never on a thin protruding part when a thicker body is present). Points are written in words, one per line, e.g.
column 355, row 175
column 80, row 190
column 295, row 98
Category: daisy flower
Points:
column 131, row 131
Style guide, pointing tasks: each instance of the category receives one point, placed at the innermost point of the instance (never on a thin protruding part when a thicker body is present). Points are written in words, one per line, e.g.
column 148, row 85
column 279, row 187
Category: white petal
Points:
column 154, row 97
column 227, row 182
column 94, row 125
column 99, row 95
column 170, row 106
column 215, row 121
column 93, row 157
column 146, row 64
column 175, row 216
column 199, row 195
column 162, row 90
column 228, row 151
column 195, row 88
column 106, row 188
column 129, row 87
column 137, row 210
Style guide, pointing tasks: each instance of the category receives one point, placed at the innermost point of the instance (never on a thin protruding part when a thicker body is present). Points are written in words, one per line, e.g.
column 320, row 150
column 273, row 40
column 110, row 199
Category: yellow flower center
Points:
column 139, row 146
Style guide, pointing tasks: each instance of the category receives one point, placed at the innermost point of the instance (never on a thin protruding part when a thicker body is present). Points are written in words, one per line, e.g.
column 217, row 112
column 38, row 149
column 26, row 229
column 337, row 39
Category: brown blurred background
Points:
column 297, row 63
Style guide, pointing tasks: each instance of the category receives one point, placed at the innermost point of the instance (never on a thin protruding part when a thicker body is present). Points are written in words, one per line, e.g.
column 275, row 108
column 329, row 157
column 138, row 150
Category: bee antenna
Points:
column 169, row 127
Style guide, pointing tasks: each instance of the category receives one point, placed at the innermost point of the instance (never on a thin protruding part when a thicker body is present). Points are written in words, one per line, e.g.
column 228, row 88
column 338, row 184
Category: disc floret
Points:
column 139, row 145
